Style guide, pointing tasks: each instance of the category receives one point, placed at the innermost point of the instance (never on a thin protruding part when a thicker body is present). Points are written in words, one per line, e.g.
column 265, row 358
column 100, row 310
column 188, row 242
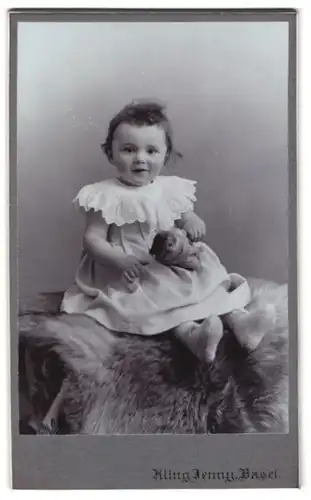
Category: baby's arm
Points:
column 95, row 242
column 192, row 224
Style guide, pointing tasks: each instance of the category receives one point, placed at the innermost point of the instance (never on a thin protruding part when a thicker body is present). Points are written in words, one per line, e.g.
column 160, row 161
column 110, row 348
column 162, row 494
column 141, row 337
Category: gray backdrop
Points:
column 226, row 87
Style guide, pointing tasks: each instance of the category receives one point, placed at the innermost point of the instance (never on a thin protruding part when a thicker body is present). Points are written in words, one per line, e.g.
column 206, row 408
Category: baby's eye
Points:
column 128, row 149
column 152, row 151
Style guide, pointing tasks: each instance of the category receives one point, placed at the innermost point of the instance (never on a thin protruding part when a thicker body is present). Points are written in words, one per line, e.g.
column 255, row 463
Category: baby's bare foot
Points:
column 250, row 327
column 202, row 339
column 211, row 331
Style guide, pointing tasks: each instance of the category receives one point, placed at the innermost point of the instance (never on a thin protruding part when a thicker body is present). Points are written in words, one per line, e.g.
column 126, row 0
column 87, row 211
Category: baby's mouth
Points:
column 139, row 170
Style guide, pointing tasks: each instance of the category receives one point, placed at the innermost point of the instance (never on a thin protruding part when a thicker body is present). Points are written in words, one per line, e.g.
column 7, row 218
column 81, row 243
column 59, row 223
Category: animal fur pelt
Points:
column 129, row 384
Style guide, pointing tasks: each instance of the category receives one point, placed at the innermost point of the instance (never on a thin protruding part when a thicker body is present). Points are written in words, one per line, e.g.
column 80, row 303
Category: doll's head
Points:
column 139, row 142
column 173, row 248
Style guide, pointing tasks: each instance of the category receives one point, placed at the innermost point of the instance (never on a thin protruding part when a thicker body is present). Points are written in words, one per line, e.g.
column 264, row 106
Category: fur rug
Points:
column 125, row 384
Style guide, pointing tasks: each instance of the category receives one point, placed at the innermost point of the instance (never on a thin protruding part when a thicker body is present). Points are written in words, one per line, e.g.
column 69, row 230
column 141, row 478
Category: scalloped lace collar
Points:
column 160, row 203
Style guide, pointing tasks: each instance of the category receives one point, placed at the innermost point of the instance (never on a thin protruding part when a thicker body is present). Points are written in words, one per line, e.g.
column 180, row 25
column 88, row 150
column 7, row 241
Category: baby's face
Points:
column 138, row 152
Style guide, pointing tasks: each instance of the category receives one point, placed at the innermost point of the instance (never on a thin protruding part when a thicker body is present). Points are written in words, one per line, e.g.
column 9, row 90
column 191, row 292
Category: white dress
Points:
column 166, row 296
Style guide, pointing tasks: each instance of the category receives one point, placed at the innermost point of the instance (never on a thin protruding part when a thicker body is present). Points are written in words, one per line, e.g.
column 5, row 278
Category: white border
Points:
column 304, row 240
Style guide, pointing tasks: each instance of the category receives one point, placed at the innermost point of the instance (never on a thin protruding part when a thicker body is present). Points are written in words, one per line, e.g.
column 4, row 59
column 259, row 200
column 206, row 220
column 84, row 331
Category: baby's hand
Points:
column 131, row 267
column 195, row 228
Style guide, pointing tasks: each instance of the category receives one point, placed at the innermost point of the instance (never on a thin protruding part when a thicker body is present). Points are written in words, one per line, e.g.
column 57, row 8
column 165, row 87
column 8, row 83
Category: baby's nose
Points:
column 140, row 157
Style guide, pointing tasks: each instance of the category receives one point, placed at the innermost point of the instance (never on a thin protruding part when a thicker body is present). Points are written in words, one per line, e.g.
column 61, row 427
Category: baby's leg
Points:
column 250, row 327
column 202, row 339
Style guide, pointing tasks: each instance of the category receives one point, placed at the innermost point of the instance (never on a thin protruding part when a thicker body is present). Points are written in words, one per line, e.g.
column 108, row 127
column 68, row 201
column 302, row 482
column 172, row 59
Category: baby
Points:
column 118, row 282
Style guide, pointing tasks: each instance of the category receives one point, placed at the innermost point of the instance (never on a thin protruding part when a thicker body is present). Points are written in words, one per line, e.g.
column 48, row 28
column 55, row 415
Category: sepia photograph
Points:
column 152, row 196
column 153, row 266
column 153, row 257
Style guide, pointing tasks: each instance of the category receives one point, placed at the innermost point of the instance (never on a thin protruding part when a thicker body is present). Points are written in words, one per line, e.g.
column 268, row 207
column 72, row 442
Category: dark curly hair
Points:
column 142, row 113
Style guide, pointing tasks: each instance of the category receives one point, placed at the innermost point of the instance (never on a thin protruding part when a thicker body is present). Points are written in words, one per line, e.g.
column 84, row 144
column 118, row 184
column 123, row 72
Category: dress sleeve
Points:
column 95, row 197
column 181, row 195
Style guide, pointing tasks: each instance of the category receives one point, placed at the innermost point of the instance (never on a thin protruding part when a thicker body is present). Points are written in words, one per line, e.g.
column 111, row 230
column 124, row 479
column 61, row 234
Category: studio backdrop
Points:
column 226, row 90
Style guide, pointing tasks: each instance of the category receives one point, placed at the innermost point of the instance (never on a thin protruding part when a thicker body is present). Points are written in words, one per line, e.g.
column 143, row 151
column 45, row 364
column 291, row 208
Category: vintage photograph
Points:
column 152, row 174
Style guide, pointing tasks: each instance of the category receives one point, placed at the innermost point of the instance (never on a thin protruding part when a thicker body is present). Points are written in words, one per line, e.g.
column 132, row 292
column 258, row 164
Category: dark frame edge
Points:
column 12, row 23
column 294, row 398
column 159, row 10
